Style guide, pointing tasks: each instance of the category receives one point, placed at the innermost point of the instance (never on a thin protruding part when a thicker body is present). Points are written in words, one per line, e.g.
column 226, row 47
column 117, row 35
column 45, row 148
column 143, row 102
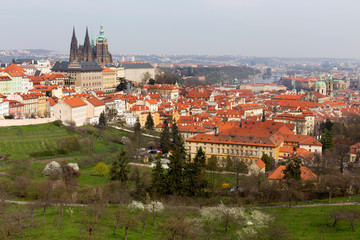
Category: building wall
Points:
column 136, row 75
column 109, row 81
column 246, row 152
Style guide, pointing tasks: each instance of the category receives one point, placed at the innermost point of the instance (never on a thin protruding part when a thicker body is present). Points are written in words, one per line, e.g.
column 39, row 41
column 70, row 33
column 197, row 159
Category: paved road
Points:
column 131, row 131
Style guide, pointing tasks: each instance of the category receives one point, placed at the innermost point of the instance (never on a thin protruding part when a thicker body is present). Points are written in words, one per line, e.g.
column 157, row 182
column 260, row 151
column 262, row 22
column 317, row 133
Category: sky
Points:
column 264, row 28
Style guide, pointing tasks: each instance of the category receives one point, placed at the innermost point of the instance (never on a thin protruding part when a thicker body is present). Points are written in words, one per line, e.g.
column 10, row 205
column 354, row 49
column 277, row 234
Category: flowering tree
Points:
column 153, row 207
column 249, row 221
column 75, row 166
column 53, row 170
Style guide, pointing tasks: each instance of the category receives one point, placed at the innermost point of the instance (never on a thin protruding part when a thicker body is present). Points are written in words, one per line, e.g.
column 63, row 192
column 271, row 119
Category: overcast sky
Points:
column 279, row 28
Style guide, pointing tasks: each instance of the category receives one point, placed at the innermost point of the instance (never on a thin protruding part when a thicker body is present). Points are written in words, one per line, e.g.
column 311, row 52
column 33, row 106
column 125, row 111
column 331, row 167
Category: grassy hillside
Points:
column 20, row 141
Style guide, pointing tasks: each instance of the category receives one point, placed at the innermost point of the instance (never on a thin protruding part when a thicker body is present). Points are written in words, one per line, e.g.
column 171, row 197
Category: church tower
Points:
column 73, row 47
column 87, row 50
column 102, row 51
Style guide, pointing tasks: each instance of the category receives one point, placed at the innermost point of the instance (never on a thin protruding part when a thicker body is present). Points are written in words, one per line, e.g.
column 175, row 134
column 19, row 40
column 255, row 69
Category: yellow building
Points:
column 156, row 117
column 109, row 80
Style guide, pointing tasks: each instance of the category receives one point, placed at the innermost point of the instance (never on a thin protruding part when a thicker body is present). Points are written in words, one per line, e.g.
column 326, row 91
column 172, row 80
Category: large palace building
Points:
column 90, row 52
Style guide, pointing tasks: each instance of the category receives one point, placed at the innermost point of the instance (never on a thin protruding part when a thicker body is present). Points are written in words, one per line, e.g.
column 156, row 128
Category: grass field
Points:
column 21, row 140
column 313, row 223
column 310, row 223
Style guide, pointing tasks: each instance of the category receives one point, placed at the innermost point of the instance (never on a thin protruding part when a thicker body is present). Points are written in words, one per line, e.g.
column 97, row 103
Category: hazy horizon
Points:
column 259, row 28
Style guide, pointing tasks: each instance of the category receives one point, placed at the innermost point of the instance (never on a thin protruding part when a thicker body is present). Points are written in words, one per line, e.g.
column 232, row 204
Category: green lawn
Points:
column 313, row 223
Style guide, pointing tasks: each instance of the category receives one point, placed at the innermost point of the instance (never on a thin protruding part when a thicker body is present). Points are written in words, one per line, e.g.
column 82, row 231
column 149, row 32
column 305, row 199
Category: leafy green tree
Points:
column 327, row 140
column 165, row 138
column 102, row 120
column 268, row 162
column 101, row 169
column 149, row 125
column 292, row 170
column 119, row 169
column 158, row 179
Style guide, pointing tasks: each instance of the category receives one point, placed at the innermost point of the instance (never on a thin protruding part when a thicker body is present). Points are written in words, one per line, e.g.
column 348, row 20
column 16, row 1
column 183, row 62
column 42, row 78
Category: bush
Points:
column 58, row 123
column 87, row 144
column 69, row 144
column 101, row 168
column 44, row 153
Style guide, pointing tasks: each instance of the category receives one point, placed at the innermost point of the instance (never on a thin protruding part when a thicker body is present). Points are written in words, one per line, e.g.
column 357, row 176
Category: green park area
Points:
column 98, row 203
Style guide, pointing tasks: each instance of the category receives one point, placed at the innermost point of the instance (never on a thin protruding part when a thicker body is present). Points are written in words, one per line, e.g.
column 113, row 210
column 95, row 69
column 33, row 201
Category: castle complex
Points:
column 90, row 52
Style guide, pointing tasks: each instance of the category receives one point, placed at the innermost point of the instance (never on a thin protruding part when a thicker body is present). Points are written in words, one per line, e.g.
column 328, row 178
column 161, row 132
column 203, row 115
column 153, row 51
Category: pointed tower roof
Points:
column 73, row 38
column 101, row 36
column 92, row 40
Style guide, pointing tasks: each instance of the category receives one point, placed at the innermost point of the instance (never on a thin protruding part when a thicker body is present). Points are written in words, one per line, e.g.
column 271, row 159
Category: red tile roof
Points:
column 74, row 102
column 95, row 102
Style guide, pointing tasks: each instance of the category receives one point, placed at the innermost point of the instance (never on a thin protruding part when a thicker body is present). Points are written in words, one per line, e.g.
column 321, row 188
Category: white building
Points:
column 130, row 119
column 4, row 108
column 95, row 108
column 71, row 109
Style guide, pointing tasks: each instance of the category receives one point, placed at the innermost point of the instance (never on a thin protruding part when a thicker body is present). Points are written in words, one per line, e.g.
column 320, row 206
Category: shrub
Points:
column 69, row 144
column 101, row 168
column 58, row 123
column 43, row 153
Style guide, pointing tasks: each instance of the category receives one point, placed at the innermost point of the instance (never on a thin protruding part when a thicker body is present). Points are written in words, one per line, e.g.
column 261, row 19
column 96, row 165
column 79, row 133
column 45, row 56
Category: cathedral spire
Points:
column 88, row 53
column 73, row 47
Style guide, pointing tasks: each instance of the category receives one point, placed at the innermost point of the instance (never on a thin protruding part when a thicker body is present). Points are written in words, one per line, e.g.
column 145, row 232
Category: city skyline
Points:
column 275, row 28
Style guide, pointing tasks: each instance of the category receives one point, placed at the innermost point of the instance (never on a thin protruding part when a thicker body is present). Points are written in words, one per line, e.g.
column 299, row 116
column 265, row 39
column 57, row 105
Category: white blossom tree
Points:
column 146, row 209
column 155, row 207
column 53, row 170
column 75, row 166
column 248, row 223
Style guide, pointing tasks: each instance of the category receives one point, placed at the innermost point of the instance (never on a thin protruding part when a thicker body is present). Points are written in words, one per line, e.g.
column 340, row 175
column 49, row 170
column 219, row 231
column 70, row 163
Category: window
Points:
column 212, row 150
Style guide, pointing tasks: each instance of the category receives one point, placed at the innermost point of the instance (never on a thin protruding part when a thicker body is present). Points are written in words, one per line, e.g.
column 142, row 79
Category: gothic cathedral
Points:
column 90, row 52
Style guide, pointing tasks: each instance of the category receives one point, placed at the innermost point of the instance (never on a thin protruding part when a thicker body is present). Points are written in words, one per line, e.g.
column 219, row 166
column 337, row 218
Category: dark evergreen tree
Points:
column 175, row 172
column 292, row 170
column 269, row 164
column 327, row 140
column 326, row 125
column 194, row 172
column 123, row 85
column 137, row 134
column 151, row 81
column 165, row 138
column 177, row 140
column 229, row 163
column 158, row 179
column 102, row 120
column 119, row 169
column 149, row 124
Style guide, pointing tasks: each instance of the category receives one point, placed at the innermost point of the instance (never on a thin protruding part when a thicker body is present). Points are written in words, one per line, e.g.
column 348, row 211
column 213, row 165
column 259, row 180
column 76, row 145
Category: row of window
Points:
column 231, row 145
column 237, row 152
